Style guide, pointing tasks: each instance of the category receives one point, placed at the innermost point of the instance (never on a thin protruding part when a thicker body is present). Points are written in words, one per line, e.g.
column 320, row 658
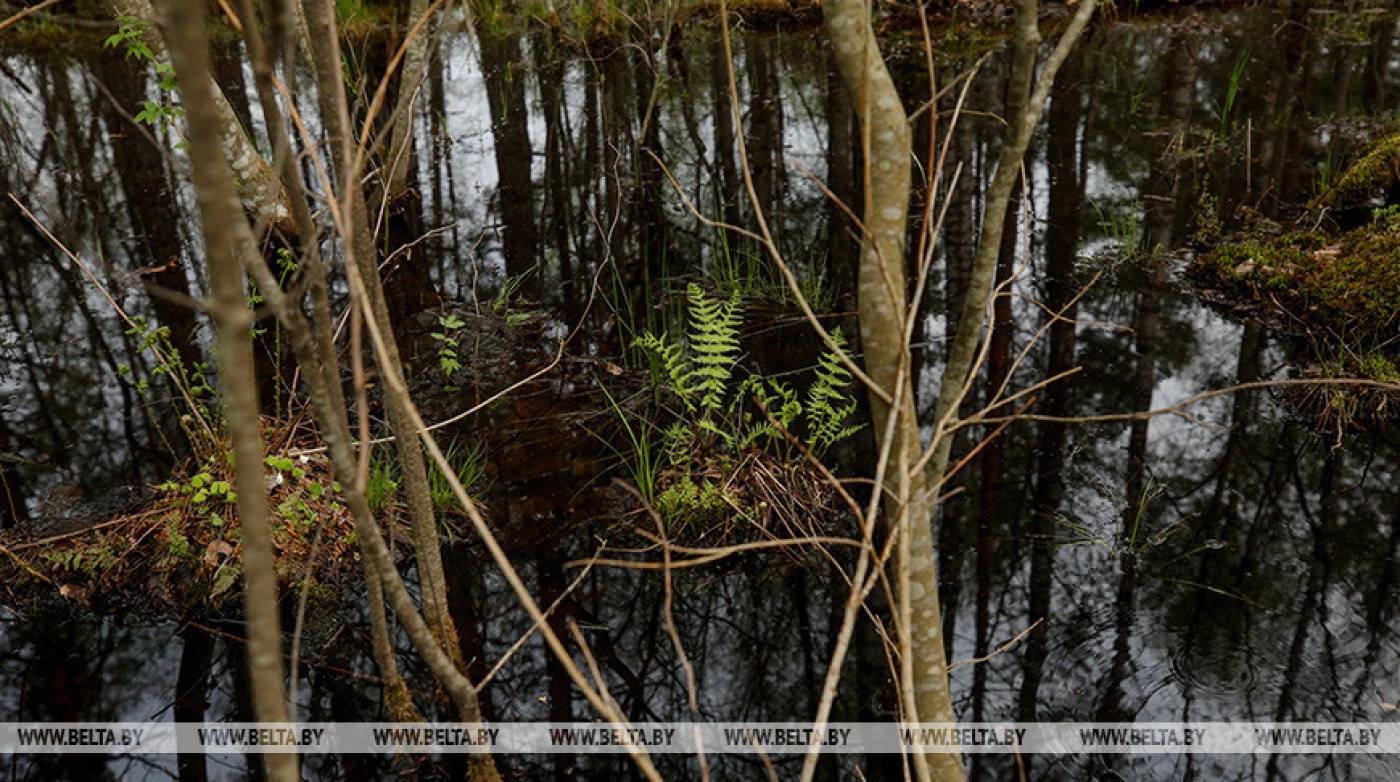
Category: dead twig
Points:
column 999, row 650
column 26, row 12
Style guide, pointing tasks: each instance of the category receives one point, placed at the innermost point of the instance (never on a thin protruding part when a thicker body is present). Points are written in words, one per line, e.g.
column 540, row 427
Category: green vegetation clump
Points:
column 1377, row 171
column 1349, row 283
column 179, row 553
column 1343, row 292
column 721, row 454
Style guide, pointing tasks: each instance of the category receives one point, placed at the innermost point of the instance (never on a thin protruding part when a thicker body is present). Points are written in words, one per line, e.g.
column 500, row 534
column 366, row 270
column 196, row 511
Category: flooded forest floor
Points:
column 1225, row 176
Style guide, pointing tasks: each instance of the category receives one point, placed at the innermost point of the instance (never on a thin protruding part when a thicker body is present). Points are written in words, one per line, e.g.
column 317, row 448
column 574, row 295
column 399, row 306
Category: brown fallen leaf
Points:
column 1327, row 254
column 217, row 551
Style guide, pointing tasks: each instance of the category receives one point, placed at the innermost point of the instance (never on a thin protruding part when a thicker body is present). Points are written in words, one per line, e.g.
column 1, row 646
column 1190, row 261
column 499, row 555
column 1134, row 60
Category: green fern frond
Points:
column 674, row 367
column 828, row 403
column 781, row 402
column 679, row 439
column 714, row 345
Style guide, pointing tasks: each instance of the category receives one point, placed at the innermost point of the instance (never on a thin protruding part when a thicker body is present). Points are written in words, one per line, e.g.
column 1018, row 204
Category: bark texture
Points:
column 360, row 246
column 882, row 306
column 887, row 142
column 415, row 63
column 226, row 235
column 259, row 191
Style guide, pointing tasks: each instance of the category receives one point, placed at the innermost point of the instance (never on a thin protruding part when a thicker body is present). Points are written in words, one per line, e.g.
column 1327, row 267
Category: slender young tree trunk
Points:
column 316, row 352
column 361, row 249
column 226, row 234
column 415, row 64
column 882, row 307
column 1026, row 98
column 317, row 355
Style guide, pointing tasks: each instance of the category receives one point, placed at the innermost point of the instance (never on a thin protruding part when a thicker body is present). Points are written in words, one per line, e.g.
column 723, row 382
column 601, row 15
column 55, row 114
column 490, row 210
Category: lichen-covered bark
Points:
column 882, row 303
column 882, row 307
column 259, row 190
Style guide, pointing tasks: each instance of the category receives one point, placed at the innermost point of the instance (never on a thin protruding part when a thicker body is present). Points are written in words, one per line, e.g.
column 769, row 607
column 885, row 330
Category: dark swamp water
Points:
column 1274, row 597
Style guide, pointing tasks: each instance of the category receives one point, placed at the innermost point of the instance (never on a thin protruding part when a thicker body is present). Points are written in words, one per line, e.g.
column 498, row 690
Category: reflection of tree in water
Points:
column 1275, row 600
column 67, row 418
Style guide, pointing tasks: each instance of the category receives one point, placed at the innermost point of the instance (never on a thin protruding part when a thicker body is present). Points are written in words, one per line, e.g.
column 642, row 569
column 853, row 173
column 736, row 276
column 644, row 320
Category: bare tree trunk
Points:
column 882, row 306
column 415, row 64
column 258, row 188
column 422, row 523
column 319, row 362
column 226, row 234
column 1029, row 103
column 318, row 355
column 232, row 241
column 882, row 301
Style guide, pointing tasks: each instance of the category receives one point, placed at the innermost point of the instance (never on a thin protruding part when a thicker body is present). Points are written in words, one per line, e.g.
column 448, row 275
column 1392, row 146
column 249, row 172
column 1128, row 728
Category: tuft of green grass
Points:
column 468, row 464
column 382, row 486
column 1377, row 170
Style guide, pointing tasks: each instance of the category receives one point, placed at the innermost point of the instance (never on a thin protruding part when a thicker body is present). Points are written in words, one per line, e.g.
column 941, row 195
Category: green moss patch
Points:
column 1376, row 172
column 1349, row 284
column 1342, row 291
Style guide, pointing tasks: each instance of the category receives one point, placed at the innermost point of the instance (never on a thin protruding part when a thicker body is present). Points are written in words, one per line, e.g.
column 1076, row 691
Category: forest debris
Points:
column 178, row 552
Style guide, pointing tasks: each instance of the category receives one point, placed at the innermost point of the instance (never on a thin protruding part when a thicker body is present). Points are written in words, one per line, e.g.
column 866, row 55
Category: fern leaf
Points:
column 714, row 344
column 828, row 403
column 675, row 369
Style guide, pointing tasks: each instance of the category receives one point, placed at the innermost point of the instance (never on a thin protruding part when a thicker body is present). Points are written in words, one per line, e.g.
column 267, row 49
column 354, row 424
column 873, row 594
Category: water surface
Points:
column 1234, row 565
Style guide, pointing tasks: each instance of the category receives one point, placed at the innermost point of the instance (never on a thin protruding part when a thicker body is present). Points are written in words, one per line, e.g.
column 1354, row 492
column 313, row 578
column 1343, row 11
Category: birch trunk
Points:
column 259, row 191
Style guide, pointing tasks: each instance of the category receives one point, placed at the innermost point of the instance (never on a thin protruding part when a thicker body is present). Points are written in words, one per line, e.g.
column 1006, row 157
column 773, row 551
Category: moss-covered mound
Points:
column 1377, row 173
column 180, row 552
column 1349, row 283
column 1342, row 292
